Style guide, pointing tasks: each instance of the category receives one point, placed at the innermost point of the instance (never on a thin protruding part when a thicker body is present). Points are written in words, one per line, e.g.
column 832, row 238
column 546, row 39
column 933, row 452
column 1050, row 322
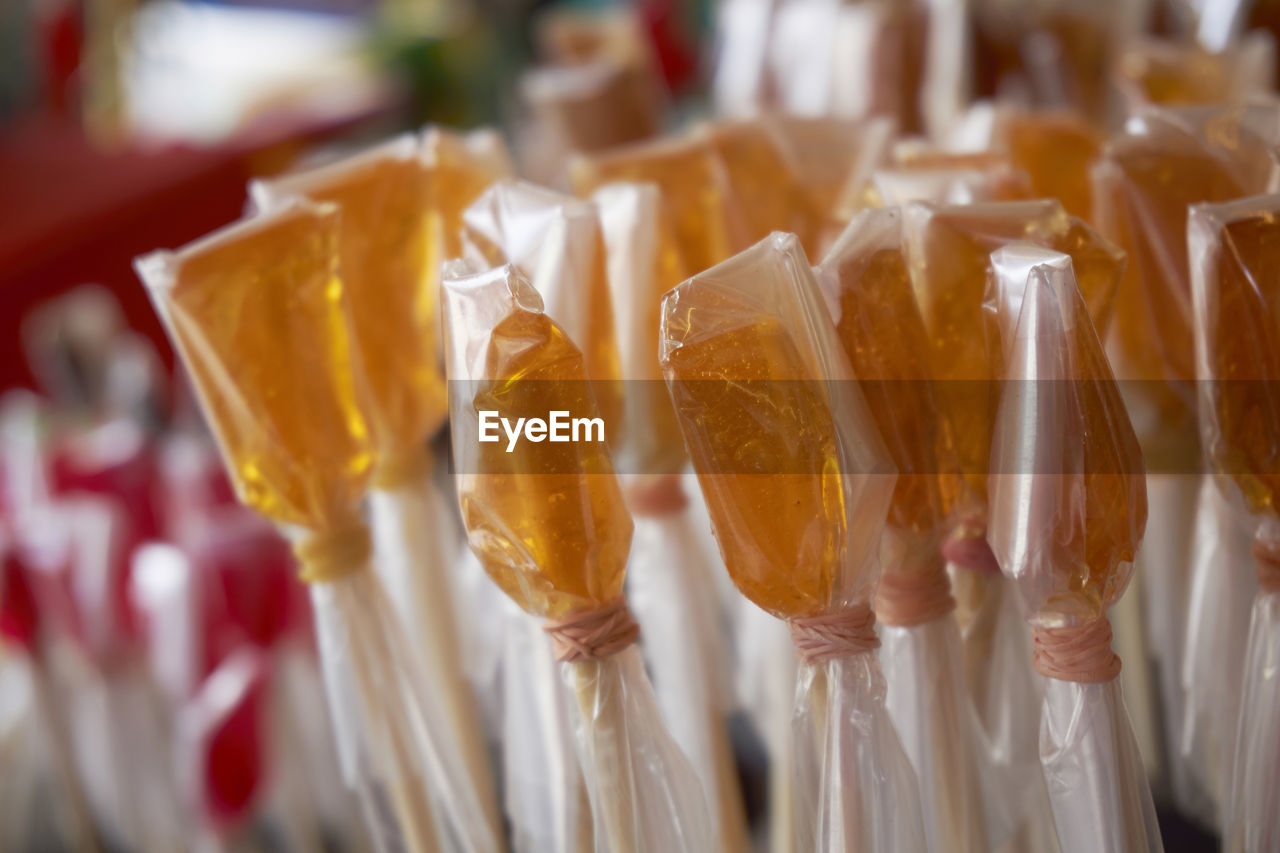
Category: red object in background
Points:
column 72, row 214
column 19, row 618
column 116, row 459
column 255, row 572
column 228, row 716
column 675, row 48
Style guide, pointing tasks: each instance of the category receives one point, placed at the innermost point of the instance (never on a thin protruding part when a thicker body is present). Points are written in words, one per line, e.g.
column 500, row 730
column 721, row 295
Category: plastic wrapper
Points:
column 550, row 526
column 1233, row 255
column 263, row 323
column 595, row 104
column 834, row 158
column 1067, row 516
column 1221, row 590
column 867, row 284
column 798, row 484
column 671, row 581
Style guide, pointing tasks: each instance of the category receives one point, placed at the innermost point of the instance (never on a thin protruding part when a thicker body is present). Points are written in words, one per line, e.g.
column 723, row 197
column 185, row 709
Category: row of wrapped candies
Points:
column 937, row 383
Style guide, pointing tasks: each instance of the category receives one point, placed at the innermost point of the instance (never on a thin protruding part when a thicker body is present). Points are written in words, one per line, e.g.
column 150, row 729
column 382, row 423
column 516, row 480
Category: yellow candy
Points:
column 262, row 320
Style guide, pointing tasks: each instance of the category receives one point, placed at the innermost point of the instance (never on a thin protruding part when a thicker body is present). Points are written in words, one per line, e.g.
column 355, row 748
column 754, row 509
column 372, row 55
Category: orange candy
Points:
column 795, row 475
column 547, row 519
column 262, row 321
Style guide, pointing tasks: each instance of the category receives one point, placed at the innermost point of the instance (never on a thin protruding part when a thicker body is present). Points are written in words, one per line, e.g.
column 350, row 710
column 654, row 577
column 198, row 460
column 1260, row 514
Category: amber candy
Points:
column 764, row 189
column 547, row 520
column 262, row 321
column 1068, row 508
column 1236, row 247
column 694, row 191
column 949, row 250
column 384, row 252
column 833, row 157
column 990, row 176
column 1144, row 182
column 1055, row 151
column 868, row 285
column 557, row 244
column 794, row 473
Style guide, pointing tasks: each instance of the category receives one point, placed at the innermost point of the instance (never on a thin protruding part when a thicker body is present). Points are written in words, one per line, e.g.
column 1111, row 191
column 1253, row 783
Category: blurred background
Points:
column 151, row 632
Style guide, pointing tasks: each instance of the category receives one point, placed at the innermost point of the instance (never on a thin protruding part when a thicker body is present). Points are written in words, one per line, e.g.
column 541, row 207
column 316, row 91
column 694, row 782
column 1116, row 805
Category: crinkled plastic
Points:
column 545, row 794
column 549, row 524
column 949, row 250
column 866, row 282
column 557, row 243
column 798, row 484
column 262, row 321
column 671, row 582
column 1221, row 589
column 1234, row 272
column 1068, row 509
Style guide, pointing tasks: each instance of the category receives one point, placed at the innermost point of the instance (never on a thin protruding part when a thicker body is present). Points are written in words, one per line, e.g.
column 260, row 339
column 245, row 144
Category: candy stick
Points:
column 1233, row 255
column 261, row 318
column 1068, row 508
column 753, row 364
column 867, row 285
column 548, row 522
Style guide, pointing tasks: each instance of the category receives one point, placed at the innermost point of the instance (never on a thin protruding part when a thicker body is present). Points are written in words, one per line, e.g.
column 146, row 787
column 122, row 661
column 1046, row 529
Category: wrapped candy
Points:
column 1143, row 183
column 1234, row 261
column 948, row 249
column 557, row 244
column 867, row 285
column 263, row 322
column 798, row 484
column 950, row 179
column 671, row 585
column 1068, row 509
column 834, row 158
column 400, row 206
column 547, row 520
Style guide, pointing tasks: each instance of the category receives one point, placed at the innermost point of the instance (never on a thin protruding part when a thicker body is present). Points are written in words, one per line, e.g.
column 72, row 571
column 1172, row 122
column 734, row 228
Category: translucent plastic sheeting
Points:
column 1221, row 590
column 753, row 361
column 1066, row 520
column 549, row 525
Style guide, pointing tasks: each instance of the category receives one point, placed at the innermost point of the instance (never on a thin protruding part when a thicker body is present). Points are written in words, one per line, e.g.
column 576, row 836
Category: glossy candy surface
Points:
column 793, row 470
column 547, row 519
column 262, row 321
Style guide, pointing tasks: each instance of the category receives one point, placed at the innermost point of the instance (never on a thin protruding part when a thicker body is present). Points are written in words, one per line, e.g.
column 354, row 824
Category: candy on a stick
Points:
column 262, row 320
column 949, row 248
column 867, row 284
column 1055, row 150
column 798, row 483
column 549, row 524
column 594, row 105
column 1144, row 181
column 1235, row 256
column 1068, row 510
column 672, row 586
column 833, row 157
column 397, row 203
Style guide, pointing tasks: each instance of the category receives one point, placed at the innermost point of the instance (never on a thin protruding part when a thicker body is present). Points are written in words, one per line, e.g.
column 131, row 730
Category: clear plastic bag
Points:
column 867, row 285
column 1221, row 591
column 1067, row 516
column 549, row 525
column 261, row 318
column 1232, row 249
column 753, row 361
